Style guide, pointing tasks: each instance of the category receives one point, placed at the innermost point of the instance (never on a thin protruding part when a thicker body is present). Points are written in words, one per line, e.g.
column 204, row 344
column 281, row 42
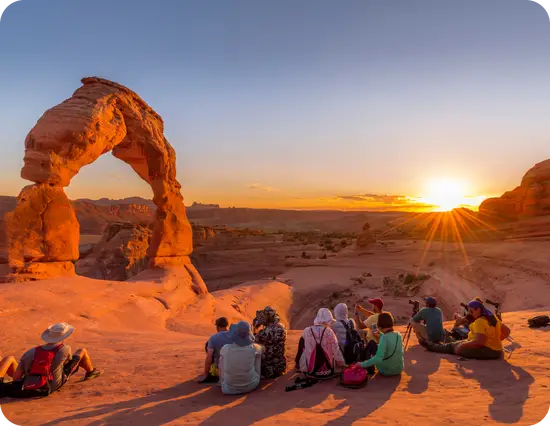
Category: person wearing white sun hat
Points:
column 46, row 368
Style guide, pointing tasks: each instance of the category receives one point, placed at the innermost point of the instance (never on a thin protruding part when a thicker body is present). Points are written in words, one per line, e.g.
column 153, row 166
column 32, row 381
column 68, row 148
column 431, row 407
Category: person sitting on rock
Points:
column 47, row 368
column 484, row 339
column 431, row 328
column 372, row 334
column 341, row 316
column 213, row 347
column 8, row 365
column 240, row 361
column 389, row 354
column 319, row 354
column 273, row 338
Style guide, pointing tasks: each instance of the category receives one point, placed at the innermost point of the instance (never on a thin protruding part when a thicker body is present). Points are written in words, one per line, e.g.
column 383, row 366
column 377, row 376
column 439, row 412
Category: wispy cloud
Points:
column 384, row 201
column 261, row 187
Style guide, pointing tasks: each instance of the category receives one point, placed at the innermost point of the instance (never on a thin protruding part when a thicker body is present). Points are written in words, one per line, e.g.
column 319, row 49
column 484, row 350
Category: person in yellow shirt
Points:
column 485, row 337
column 369, row 324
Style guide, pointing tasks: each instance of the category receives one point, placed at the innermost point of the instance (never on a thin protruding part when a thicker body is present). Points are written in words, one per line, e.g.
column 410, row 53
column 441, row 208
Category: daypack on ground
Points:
column 539, row 321
column 38, row 379
column 354, row 347
column 319, row 365
column 354, row 377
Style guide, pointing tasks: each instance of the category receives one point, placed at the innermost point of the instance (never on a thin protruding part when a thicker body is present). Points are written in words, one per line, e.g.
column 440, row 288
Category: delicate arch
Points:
column 101, row 116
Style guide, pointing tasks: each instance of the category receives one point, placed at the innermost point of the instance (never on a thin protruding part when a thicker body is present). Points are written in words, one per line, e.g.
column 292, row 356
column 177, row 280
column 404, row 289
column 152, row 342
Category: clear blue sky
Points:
column 292, row 103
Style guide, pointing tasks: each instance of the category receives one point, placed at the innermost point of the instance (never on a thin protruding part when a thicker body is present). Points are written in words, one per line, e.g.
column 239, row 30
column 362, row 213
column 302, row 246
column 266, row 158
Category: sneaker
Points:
column 93, row 374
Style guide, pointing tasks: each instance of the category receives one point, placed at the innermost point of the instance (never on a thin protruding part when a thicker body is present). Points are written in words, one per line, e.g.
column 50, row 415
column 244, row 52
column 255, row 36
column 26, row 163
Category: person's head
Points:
column 57, row 333
column 241, row 335
column 477, row 309
column 377, row 304
column 341, row 312
column 431, row 302
column 385, row 322
column 266, row 316
column 222, row 324
column 324, row 317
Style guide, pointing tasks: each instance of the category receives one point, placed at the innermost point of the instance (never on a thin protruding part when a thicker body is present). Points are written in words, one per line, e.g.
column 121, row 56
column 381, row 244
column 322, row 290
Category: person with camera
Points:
column 428, row 322
column 369, row 325
column 389, row 354
column 484, row 339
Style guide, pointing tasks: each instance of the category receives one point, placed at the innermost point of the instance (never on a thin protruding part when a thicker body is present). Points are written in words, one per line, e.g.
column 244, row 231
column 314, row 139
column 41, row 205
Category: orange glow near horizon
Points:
column 448, row 194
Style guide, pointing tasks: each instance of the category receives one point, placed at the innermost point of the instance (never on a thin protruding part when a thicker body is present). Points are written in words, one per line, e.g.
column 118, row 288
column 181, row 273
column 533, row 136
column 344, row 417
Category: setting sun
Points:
column 446, row 194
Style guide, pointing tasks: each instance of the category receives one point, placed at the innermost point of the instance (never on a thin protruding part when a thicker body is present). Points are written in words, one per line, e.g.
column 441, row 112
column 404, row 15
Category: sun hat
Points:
column 57, row 333
column 241, row 334
column 379, row 303
column 324, row 317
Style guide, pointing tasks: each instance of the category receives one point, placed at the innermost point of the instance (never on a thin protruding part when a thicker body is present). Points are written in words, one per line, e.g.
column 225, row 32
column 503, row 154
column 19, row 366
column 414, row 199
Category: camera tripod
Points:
column 408, row 331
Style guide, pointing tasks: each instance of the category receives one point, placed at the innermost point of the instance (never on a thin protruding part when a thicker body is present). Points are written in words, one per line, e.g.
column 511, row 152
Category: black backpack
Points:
column 354, row 347
column 539, row 321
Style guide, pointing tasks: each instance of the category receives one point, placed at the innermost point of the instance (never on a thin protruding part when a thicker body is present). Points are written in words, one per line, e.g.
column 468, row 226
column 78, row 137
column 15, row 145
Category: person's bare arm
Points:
column 364, row 311
column 19, row 373
column 504, row 331
column 207, row 364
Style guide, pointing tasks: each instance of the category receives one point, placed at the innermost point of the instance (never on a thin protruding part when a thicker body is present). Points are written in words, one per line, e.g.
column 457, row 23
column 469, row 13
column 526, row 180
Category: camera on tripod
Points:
column 497, row 308
column 416, row 306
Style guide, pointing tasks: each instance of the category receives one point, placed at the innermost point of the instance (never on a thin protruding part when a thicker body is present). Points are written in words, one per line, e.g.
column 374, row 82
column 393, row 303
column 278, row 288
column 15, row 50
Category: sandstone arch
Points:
column 100, row 117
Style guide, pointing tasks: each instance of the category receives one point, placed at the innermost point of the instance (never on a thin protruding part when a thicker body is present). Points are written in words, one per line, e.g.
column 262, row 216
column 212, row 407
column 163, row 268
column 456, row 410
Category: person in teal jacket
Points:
column 389, row 356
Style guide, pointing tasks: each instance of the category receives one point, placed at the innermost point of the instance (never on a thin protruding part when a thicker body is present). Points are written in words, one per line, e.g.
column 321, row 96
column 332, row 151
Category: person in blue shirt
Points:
column 213, row 348
column 428, row 322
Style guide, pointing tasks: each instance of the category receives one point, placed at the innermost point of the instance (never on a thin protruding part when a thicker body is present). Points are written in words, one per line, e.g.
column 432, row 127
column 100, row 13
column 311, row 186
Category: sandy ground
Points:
column 151, row 355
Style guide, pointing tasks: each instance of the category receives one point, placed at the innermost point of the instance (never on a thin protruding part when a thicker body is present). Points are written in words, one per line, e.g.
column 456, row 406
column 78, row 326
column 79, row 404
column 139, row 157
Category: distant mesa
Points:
column 200, row 206
column 101, row 116
column 531, row 198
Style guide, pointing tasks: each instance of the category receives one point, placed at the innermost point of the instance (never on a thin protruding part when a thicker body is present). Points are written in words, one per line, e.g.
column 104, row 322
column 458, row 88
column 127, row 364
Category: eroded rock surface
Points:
column 531, row 198
column 101, row 116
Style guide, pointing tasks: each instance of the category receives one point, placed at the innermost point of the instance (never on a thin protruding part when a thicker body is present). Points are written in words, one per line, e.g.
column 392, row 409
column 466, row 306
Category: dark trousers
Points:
column 301, row 347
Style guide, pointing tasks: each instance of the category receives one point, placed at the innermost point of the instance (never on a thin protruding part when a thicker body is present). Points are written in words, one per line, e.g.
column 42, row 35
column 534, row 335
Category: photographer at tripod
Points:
column 431, row 328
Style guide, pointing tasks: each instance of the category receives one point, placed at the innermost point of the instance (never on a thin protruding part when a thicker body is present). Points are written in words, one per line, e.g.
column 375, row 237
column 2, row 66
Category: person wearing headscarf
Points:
column 240, row 361
column 272, row 336
column 484, row 339
column 341, row 317
column 323, row 362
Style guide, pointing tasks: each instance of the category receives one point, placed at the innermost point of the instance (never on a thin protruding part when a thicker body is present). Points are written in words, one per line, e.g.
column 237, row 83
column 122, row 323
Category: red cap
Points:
column 377, row 302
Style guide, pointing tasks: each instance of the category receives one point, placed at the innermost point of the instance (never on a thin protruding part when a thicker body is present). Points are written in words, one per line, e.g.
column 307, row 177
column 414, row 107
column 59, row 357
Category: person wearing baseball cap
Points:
column 428, row 322
column 369, row 324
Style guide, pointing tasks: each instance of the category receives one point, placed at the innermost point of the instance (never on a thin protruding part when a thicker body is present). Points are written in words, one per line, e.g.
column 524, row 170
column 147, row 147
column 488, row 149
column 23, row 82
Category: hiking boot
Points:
column 93, row 374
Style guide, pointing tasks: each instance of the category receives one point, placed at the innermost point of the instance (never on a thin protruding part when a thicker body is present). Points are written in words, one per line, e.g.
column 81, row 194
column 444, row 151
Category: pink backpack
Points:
column 354, row 377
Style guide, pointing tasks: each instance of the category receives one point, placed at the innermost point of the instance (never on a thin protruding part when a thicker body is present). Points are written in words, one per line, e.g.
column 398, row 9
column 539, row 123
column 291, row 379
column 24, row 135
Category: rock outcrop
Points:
column 531, row 198
column 101, row 116
column 121, row 253
column 202, row 233
column 365, row 238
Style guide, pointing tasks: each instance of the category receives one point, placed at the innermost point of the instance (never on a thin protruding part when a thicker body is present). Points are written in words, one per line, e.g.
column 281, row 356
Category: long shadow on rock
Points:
column 419, row 365
column 507, row 384
column 158, row 408
column 363, row 402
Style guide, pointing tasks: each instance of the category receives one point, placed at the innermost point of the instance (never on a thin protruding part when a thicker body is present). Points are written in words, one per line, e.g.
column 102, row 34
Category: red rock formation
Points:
column 104, row 116
column 531, row 198
column 121, row 253
column 365, row 238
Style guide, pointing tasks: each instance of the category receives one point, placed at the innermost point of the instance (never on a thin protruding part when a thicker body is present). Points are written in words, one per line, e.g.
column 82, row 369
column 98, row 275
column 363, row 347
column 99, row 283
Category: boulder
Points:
column 121, row 253
column 530, row 199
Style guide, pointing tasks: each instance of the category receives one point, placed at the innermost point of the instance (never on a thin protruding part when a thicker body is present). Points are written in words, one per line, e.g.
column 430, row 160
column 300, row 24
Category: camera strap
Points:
column 394, row 349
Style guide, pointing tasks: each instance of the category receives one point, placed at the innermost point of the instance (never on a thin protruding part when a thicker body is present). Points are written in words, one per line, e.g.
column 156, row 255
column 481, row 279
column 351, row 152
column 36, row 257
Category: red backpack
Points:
column 40, row 375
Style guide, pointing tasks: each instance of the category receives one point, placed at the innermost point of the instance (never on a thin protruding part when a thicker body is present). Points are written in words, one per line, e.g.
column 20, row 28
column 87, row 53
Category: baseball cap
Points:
column 430, row 300
column 379, row 303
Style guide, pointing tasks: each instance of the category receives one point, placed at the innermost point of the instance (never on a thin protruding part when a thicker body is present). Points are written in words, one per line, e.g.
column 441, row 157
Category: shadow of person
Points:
column 185, row 397
column 419, row 365
column 380, row 390
column 507, row 384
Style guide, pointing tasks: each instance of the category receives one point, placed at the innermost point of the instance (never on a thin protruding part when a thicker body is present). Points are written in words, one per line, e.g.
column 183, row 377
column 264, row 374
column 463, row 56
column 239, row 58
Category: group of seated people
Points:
column 46, row 368
column 238, row 357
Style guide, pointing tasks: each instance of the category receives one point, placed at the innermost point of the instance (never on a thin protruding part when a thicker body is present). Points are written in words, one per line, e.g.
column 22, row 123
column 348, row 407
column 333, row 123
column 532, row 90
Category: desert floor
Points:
column 151, row 355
